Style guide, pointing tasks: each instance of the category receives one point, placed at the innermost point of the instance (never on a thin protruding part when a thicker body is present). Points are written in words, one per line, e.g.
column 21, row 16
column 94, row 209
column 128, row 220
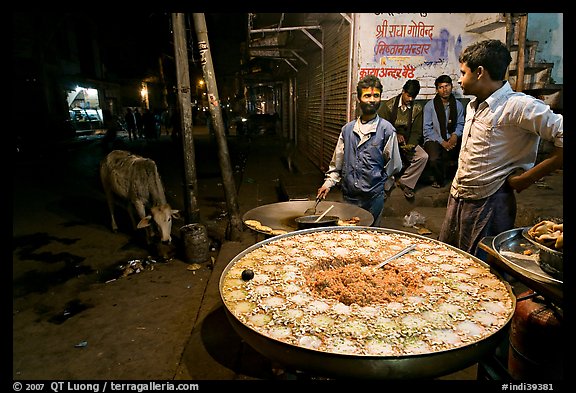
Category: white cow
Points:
column 135, row 179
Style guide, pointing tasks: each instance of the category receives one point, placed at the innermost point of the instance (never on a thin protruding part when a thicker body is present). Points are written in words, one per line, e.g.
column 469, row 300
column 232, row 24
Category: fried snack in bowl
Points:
column 549, row 237
column 559, row 245
column 543, row 227
column 548, row 233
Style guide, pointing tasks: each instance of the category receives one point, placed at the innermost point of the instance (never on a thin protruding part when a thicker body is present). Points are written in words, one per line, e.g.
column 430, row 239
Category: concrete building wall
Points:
column 547, row 29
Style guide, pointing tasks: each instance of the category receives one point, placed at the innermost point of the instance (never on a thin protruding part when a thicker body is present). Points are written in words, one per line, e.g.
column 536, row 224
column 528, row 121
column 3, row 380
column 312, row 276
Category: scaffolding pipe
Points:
column 234, row 229
column 522, row 27
column 185, row 110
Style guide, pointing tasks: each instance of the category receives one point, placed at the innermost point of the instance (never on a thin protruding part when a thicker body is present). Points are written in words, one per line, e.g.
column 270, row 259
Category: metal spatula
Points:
column 397, row 255
column 312, row 211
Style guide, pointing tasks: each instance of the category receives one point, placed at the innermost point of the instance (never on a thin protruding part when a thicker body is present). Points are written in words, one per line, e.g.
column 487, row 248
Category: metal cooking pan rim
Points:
column 337, row 365
column 411, row 357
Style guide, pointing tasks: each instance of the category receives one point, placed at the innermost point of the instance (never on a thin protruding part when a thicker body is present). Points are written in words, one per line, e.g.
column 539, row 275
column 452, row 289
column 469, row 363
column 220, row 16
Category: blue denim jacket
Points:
column 364, row 165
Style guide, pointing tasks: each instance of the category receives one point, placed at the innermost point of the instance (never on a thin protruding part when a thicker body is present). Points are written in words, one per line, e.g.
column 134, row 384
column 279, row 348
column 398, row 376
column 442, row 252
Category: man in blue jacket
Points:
column 366, row 155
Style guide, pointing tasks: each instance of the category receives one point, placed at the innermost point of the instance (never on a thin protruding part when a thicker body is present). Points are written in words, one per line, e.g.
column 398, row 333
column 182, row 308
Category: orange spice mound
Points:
column 350, row 284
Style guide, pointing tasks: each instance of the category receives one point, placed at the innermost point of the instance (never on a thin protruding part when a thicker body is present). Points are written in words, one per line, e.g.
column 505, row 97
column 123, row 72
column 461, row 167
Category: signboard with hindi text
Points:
column 401, row 46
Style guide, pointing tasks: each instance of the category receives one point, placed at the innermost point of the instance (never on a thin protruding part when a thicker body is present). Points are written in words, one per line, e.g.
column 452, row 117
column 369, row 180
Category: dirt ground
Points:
column 74, row 315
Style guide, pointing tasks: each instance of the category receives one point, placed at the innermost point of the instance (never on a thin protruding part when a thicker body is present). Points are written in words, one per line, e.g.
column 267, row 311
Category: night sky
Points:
column 132, row 42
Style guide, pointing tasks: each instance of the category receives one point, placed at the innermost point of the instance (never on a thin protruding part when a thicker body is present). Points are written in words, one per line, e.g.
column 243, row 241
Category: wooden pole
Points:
column 522, row 26
column 235, row 224
column 163, row 81
column 185, row 110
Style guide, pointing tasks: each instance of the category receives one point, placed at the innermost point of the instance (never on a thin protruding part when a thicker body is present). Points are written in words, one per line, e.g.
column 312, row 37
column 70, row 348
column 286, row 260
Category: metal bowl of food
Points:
column 314, row 221
column 551, row 261
column 282, row 216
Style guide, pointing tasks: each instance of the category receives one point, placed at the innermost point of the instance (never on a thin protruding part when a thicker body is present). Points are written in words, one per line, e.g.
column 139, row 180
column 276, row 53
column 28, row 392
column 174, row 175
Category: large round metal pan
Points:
column 512, row 247
column 282, row 215
column 420, row 366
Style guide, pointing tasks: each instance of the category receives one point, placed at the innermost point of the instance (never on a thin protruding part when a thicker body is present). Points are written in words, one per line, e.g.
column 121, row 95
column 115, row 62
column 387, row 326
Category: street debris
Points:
column 135, row 266
column 81, row 344
column 414, row 220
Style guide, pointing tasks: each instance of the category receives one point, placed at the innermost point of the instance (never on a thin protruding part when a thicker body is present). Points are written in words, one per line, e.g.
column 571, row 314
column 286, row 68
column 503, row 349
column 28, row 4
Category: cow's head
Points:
column 159, row 222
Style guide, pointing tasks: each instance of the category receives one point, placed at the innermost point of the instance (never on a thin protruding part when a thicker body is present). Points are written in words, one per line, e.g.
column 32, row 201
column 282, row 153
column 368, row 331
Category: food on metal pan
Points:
column 541, row 228
column 549, row 238
column 559, row 242
column 548, row 233
column 247, row 274
column 264, row 228
column 252, row 223
column 257, row 225
column 314, row 290
column 349, row 222
column 524, row 256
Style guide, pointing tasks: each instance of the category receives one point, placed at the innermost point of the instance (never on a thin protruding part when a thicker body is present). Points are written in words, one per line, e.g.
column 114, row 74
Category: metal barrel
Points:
column 536, row 340
column 196, row 244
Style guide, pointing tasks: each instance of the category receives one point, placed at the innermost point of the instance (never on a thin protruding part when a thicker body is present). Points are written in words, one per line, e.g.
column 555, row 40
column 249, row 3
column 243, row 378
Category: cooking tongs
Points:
column 312, row 211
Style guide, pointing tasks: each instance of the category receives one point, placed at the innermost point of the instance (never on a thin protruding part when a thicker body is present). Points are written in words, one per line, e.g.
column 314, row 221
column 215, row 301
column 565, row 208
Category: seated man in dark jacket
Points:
column 406, row 117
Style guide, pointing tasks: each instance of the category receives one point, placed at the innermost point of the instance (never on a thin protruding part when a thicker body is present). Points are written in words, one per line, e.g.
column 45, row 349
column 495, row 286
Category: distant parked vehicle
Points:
column 84, row 119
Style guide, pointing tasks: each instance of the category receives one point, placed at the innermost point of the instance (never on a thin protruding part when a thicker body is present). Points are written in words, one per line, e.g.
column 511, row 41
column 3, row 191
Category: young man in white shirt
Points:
column 499, row 148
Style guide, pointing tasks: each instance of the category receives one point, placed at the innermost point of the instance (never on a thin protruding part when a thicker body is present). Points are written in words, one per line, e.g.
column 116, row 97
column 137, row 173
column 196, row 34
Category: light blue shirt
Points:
column 431, row 127
column 501, row 135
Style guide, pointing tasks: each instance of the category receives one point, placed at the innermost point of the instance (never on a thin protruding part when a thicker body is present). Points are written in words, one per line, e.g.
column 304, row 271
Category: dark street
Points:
column 65, row 254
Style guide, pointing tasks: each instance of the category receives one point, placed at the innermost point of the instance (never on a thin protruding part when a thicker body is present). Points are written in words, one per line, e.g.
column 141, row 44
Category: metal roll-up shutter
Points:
column 336, row 73
column 301, row 104
column 315, row 115
column 323, row 93
column 308, row 111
